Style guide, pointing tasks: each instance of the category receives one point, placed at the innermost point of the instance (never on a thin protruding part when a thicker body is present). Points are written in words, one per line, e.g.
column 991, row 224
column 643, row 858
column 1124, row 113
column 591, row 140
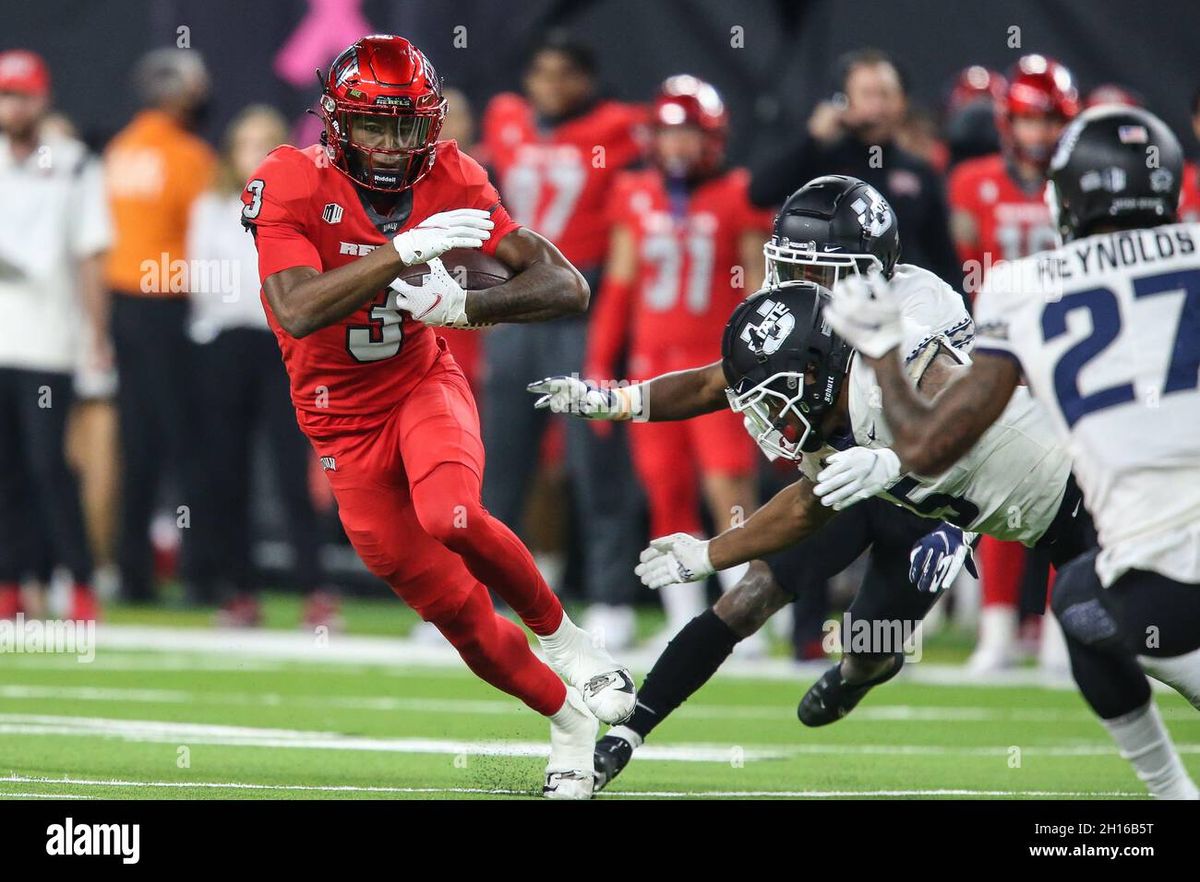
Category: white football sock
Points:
column 1180, row 672
column 626, row 734
column 1145, row 742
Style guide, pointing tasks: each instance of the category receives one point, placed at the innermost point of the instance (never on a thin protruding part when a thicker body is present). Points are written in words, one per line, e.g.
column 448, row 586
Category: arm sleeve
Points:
column 609, row 323
column 272, row 207
column 607, row 331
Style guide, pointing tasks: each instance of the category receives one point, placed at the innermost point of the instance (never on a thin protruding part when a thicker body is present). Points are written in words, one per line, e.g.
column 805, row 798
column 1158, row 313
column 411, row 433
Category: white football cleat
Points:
column 606, row 687
column 573, row 729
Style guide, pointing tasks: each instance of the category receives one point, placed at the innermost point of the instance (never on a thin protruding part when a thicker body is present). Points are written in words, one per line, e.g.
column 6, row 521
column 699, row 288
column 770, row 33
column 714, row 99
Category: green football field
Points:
column 189, row 712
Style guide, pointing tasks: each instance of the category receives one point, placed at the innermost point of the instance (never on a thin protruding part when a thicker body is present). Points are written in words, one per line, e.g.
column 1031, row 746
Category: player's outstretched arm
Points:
column 679, row 395
column 794, row 513
column 930, row 436
column 546, row 285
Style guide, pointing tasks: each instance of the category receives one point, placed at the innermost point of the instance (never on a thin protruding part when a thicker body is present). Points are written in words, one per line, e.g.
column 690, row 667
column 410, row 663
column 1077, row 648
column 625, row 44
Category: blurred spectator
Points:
column 999, row 213
column 855, row 134
column 243, row 387
column 555, row 152
column 969, row 121
column 92, row 444
column 155, row 169
column 686, row 246
column 54, row 231
column 919, row 135
column 1112, row 93
column 1189, row 200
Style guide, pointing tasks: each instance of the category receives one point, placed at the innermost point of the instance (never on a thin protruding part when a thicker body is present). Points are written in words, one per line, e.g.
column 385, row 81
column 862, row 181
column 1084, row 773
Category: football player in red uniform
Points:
column 379, row 394
column 998, row 213
column 686, row 246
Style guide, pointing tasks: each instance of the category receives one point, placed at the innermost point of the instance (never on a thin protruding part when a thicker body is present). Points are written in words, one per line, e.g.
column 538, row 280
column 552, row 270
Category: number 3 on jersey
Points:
column 383, row 337
column 1182, row 371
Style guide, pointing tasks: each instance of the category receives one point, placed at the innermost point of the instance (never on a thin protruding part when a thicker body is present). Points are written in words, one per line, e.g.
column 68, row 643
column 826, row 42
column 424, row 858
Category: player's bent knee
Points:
column 755, row 598
column 1079, row 607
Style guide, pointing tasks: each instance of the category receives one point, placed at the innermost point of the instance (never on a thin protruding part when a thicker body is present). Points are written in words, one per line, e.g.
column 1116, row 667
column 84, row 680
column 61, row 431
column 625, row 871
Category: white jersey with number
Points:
column 1107, row 333
column 925, row 302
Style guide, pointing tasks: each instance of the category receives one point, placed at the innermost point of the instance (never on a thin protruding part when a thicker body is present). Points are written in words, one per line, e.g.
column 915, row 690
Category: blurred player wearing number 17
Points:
column 380, row 396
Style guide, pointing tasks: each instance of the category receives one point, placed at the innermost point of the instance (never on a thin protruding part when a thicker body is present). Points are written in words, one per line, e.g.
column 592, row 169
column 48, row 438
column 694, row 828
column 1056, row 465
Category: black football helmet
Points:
column 832, row 226
column 1114, row 165
column 781, row 359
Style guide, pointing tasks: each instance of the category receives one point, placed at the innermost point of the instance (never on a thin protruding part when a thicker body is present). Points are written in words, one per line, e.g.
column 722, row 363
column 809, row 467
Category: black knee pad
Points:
column 1078, row 604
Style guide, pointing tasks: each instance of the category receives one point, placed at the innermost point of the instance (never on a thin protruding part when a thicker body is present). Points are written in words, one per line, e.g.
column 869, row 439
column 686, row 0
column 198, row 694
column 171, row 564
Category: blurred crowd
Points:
column 145, row 424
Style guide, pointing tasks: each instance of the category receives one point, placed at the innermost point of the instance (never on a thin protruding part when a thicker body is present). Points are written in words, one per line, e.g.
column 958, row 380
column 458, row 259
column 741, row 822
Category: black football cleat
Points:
column 612, row 755
column 831, row 697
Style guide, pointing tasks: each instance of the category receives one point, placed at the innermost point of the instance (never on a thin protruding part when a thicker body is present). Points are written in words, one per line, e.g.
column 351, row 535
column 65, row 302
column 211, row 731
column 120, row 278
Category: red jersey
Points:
column 557, row 180
column 304, row 212
column 1010, row 221
column 1189, row 198
column 685, row 288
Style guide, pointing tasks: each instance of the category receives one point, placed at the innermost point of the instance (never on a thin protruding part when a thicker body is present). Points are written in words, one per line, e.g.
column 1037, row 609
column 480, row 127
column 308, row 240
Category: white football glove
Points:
column 438, row 233
column 856, row 474
column 866, row 314
column 582, row 398
column 438, row 301
column 672, row 559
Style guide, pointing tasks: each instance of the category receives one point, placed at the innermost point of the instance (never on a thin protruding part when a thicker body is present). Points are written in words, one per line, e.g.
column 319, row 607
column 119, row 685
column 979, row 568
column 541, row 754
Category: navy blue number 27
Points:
column 1183, row 372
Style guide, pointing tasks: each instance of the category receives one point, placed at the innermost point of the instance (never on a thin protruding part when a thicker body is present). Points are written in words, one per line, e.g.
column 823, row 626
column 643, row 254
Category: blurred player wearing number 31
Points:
column 380, row 396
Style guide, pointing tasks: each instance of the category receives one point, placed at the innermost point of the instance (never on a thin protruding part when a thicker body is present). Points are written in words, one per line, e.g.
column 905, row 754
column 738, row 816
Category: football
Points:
column 471, row 268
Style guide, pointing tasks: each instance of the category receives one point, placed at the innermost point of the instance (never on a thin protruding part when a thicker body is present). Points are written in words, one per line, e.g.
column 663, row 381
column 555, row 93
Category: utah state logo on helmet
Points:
column 784, row 366
column 833, row 226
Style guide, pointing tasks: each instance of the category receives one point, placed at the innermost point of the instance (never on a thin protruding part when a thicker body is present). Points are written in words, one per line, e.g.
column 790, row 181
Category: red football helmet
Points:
column 1037, row 86
column 684, row 100
column 383, row 110
column 1112, row 93
column 976, row 83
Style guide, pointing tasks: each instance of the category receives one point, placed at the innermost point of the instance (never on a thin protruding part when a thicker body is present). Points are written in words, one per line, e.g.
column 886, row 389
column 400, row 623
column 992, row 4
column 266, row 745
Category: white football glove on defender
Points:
column 582, row 398
column 865, row 313
column 672, row 559
column 439, row 301
column 856, row 474
column 438, row 233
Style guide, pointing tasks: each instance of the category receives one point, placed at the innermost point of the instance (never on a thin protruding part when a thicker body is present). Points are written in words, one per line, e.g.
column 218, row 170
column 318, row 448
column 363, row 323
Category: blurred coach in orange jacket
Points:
column 155, row 169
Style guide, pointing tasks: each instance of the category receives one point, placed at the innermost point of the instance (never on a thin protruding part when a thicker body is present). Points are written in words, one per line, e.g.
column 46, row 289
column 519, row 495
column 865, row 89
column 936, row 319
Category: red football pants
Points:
column 408, row 493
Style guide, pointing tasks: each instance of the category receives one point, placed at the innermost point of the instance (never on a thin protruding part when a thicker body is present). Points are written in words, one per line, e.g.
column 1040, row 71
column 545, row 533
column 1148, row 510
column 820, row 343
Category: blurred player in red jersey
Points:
column 379, row 395
column 998, row 213
column 556, row 150
column 1189, row 198
column 686, row 246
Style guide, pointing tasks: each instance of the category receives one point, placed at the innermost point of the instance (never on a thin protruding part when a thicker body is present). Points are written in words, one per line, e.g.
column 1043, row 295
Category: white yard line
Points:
column 167, row 732
column 502, row 707
column 658, row 794
column 301, row 647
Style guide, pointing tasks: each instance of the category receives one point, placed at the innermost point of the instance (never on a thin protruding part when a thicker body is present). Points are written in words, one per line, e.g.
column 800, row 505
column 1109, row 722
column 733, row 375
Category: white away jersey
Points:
column 1010, row 484
column 1107, row 332
column 928, row 303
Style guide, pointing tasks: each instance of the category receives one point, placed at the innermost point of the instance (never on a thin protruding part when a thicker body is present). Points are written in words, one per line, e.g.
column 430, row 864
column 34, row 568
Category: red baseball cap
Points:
column 24, row 72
